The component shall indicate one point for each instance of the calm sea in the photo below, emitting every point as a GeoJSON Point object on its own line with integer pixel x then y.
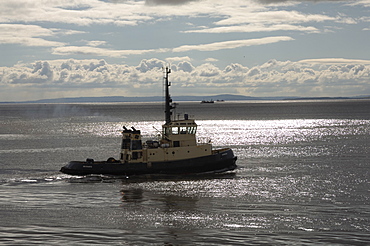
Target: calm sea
{"type": "Point", "coordinates": [302, 177]}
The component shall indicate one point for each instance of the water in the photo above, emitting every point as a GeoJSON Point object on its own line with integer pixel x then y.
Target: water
{"type": "Point", "coordinates": [303, 176]}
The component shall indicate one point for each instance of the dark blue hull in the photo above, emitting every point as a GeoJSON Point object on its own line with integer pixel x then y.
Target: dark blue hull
{"type": "Point", "coordinates": [219, 162]}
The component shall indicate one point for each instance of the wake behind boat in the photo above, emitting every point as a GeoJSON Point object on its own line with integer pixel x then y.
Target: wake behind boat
{"type": "Point", "coordinates": [176, 151]}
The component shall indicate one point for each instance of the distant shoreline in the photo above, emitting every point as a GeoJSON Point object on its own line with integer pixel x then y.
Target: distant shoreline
{"type": "Point", "coordinates": [222, 98]}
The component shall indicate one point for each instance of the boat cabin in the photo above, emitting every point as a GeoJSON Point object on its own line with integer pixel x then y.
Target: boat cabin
{"type": "Point", "coordinates": [178, 141]}
{"type": "Point", "coordinates": [180, 133]}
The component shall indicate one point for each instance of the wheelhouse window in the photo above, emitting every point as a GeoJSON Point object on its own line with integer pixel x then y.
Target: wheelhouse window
{"type": "Point", "coordinates": [175, 130]}
{"type": "Point", "coordinates": [192, 129]}
{"type": "Point", "coordinates": [182, 130]}
{"type": "Point", "coordinates": [166, 131]}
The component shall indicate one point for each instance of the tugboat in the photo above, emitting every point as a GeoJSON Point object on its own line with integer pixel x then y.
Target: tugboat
{"type": "Point", "coordinates": [175, 152]}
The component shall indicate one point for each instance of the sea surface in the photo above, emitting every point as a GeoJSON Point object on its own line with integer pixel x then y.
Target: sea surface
{"type": "Point", "coordinates": [302, 178]}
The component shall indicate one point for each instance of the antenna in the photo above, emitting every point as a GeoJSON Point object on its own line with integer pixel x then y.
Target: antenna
{"type": "Point", "coordinates": [168, 100]}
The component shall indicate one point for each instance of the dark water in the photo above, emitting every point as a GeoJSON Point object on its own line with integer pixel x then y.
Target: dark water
{"type": "Point", "coordinates": [303, 176]}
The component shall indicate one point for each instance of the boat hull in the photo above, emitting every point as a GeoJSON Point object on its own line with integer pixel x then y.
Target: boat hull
{"type": "Point", "coordinates": [219, 161]}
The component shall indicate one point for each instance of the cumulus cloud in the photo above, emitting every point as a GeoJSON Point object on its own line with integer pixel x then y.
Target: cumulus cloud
{"type": "Point", "coordinates": [185, 66]}
{"type": "Point", "coordinates": [323, 77]}
{"type": "Point", "coordinates": [208, 70]}
{"type": "Point", "coordinates": [147, 65]}
{"type": "Point", "coordinates": [178, 59]}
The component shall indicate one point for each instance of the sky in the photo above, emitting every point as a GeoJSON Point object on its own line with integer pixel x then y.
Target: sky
{"type": "Point", "coordinates": [79, 48]}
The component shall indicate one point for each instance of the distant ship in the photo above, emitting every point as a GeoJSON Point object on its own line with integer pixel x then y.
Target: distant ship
{"type": "Point", "coordinates": [176, 151]}
{"type": "Point", "coordinates": [207, 101]}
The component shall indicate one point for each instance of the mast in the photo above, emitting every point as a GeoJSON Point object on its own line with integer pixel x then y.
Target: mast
{"type": "Point", "coordinates": [168, 101]}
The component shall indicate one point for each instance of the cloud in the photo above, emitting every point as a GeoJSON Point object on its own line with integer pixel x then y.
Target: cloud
{"type": "Point", "coordinates": [208, 70]}
{"type": "Point", "coordinates": [185, 66]}
{"type": "Point", "coordinates": [178, 59]}
{"type": "Point", "coordinates": [103, 52]}
{"type": "Point", "coordinates": [365, 3]}
{"type": "Point", "coordinates": [95, 51]}
{"type": "Point", "coordinates": [231, 44]}
{"type": "Point", "coordinates": [96, 43]}
{"type": "Point", "coordinates": [150, 64]}
{"type": "Point", "coordinates": [239, 16]}
{"type": "Point", "coordinates": [27, 35]}
{"type": "Point", "coordinates": [322, 77]}
{"type": "Point", "coordinates": [256, 28]}
{"type": "Point", "coordinates": [83, 13]}
{"type": "Point", "coordinates": [269, 19]}
{"type": "Point", "coordinates": [133, 13]}
{"type": "Point", "coordinates": [282, 1]}
{"type": "Point", "coordinates": [335, 61]}
{"type": "Point", "coordinates": [168, 2]}
{"type": "Point", "coordinates": [280, 16]}
{"type": "Point", "coordinates": [274, 17]}
{"type": "Point", "coordinates": [211, 60]}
